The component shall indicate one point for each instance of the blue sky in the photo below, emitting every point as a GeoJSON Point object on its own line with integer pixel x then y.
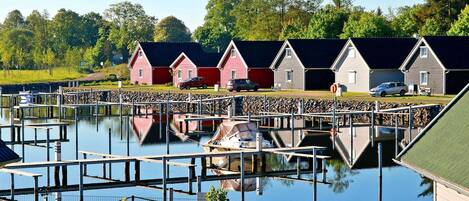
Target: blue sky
{"type": "Point", "coordinates": [192, 12]}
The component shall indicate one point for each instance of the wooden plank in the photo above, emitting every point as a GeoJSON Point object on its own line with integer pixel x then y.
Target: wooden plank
{"type": "Point", "coordinates": [19, 172]}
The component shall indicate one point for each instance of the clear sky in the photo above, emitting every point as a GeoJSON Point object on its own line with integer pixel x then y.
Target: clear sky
{"type": "Point", "coordinates": [192, 12]}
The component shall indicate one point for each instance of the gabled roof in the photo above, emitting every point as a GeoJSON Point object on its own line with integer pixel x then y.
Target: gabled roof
{"type": "Point", "coordinates": [382, 53]}
{"type": "Point", "coordinates": [450, 51]}
{"type": "Point", "coordinates": [441, 150]}
{"type": "Point", "coordinates": [313, 53]}
{"type": "Point", "coordinates": [164, 53]}
{"type": "Point", "coordinates": [7, 155]}
{"type": "Point", "coordinates": [199, 59]}
{"type": "Point", "coordinates": [255, 54]}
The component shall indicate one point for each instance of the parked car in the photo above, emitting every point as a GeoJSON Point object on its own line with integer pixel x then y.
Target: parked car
{"type": "Point", "coordinates": [241, 84]}
{"type": "Point", "coordinates": [198, 82]}
{"type": "Point", "coordinates": [389, 88]}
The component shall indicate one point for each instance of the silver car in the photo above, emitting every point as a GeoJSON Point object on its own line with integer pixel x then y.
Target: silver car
{"type": "Point", "coordinates": [389, 88]}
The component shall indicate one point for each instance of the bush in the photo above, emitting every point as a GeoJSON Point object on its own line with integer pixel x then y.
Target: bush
{"type": "Point", "coordinates": [216, 195]}
{"type": "Point", "coordinates": [85, 70]}
{"type": "Point", "coordinates": [112, 77]}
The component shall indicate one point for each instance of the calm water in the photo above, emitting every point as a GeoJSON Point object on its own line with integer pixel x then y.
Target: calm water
{"type": "Point", "coordinates": [360, 183]}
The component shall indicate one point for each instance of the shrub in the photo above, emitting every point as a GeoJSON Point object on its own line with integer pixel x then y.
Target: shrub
{"type": "Point", "coordinates": [216, 195]}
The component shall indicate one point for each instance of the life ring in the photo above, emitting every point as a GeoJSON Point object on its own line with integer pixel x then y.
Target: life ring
{"type": "Point", "coordinates": [333, 88]}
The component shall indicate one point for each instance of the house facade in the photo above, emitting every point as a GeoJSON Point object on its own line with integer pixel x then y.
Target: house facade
{"type": "Point", "coordinates": [439, 63]}
{"type": "Point", "coordinates": [440, 151]}
{"type": "Point", "coordinates": [196, 65]}
{"type": "Point", "coordinates": [364, 63]}
{"type": "Point", "coordinates": [305, 63]}
{"type": "Point", "coordinates": [149, 64]}
{"type": "Point", "coordinates": [249, 59]}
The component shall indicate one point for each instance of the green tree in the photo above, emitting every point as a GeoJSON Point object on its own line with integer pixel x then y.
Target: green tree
{"type": "Point", "coordinates": [73, 57]}
{"type": "Point", "coordinates": [67, 31]}
{"type": "Point", "coordinates": [460, 27]}
{"type": "Point", "coordinates": [433, 27]}
{"type": "Point", "coordinates": [14, 19]}
{"type": "Point", "coordinates": [328, 22]}
{"type": "Point", "coordinates": [49, 60]}
{"type": "Point", "coordinates": [91, 23]}
{"type": "Point", "coordinates": [171, 29]}
{"type": "Point", "coordinates": [342, 3]}
{"type": "Point", "coordinates": [219, 26]}
{"type": "Point", "coordinates": [39, 24]}
{"type": "Point", "coordinates": [366, 24]}
{"type": "Point", "coordinates": [406, 23]}
{"type": "Point", "coordinates": [216, 195]}
{"type": "Point", "coordinates": [129, 24]}
{"type": "Point", "coordinates": [293, 31]}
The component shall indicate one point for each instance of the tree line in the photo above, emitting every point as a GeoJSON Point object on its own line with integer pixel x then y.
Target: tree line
{"type": "Point", "coordinates": [39, 41]}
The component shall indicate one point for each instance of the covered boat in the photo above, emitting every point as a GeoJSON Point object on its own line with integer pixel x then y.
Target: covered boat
{"type": "Point", "coordinates": [237, 134]}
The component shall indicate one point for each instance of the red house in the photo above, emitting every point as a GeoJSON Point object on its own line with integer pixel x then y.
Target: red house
{"type": "Point", "coordinates": [149, 64]}
{"type": "Point", "coordinates": [196, 64]}
{"type": "Point", "coordinates": [249, 59]}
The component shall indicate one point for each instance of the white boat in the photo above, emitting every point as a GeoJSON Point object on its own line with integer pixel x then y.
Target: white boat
{"type": "Point", "coordinates": [26, 98]}
{"type": "Point", "coordinates": [237, 134]}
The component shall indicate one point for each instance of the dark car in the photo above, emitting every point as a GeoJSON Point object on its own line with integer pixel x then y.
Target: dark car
{"type": "Point", "coordinates": [197, 82]}
{"type": "Point", "coordinates": [241, 84]}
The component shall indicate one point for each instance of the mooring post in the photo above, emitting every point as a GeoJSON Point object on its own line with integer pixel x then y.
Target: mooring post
{"type": "Point", "coordinates": [411, 122]}
{"type": "Point", "coordinates": [128, 135]}
{"type": "Point", "coordinates": [167, 125]}
{"type": "Point", "coordinates": [22, 135]}
{"type": "Point", "coordinates": [241, 156]}
{"type": "Point", "coordinates": [199, 184]}
{"type": "Point", "coordinates": [76, 133]}
{"type": "Point", "coordinates": [110, 153]}
{"type": "Point", "coordinates": [380, 166]}
{"type": "Point", "coordinates": [323, 169]}
{"type": "Point", "coordinates": [164, 178]}
{"type": "Point", "coordinates": [137, 171]}
{"type": "Point", "coordinates": [372, 133]}
{"type": "Point", "coordinates": [298, 168]}
{"type": "Point", "coordinates": [48, 155]}
{"type": "Point", "coordinates": [12, 182]}
{"type": "Point", "coordinates": [80, 185]}
{"type": "Point", "coordinates": [171, 194]}
{"type": "Point", "coordinates": [36, 192]}
{"type": "Point", "coordinates": [58, 157]}
{"type": "Point", "coordinates": [189, 179]}
{"type": "Point", "coordinates": [292, 128]}
{"type": "Point", "coordinates": [160, 119]}
{"type": "Point", "coordinates": [97, 114]}
{"type": "Point", "coordinates": [315, 177]}
{"type": "Point", "coordinates": [350, 119]}
{"type": "Point", "coordinates": [396, 130]}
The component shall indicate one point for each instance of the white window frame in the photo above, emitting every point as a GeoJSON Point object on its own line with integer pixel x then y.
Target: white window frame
{"type": "Point", "coordinates": [421, 74]}
{"type": "Point", "coordinates": [352, 80]}
{"type": "Point", "coordinates": [351, 52]}
{"type": "Point", "coordinates": [179, 74]}
{"type": "Point", "coordinates": [287, 72]}
{"type": "Point", "coordinates": [422, 53]}
{"type": "Point", "coordinates": [233, 74]}
{"type": "Point", "coordinates": [189, 74]}
{"type": "Point", "coordinates": [140, 73]}
{"type": "Point", "coordinates": [233, 53]}
{"type": "Point", "coordinates": [288, 52]}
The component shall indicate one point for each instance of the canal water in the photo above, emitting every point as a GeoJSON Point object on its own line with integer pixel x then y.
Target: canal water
{"type": "Point", "coordinates": [352, 173]}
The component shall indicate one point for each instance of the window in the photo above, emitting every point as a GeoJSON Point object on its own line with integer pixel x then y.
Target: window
{"type": "Point", "coordinates": [140, 73]}
{"type": "Point", "coordinates": [189, 74]}
{"type": "Point", "coordinates": [140, 53]}
{"type": "Point", "coordinates": [423, 77]}
{"type": "Point", "coordinates": [288, 53]}
{"type": "Point", "coordinates": [423, 52]}
{"type": "Point", "coordinates": [233, 74]}
{"type": "Point", "coordinates": [179, 74]}
{"type": "Point", "coordinates": [351, 52]}
{"type": "Point", "coordinates": [352, 77]}
{"type": "Point", "coordinates": [289, 75]}
{"type": "Point", "coordinates": [233, 53]}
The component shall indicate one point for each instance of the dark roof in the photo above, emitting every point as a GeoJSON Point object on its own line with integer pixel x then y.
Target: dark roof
{"type": "Point", "coordinates": [258, 54]}
{"type": "Point", "coordinates": [164, 53]}
{"type": "Point", "coordinates": [384, 53]}
{"type": "Point", "coordinates": [317, 53]}
{"type": "Point", "coordinates": [441, 149]}
{"type": "Point", "coordinates": [7, 155]}
{"type": "Point", "coordinates": [452, 51]}
{"type": "Point", "coordinates": [204, 59]}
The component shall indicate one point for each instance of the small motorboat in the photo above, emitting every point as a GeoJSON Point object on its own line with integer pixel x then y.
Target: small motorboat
{"type": "Point", "coordinates": [236, 135]}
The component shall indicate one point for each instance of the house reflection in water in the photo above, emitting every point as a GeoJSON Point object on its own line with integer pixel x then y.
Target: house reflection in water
{"type": "Point", "coordinates": [147, 130]}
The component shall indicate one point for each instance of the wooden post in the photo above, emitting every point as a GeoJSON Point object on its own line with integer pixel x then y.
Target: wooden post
{"type": "Point", "coordinates": [351, 137]}
{"type": "Point", "coordinates": [48, 155]}
{"type": "Point", "coordinates": [315, 177]}
{"type": "Point", "coordinates": [110, 152]}
{"type": "Point", "coordinates": [380, 167]}
{"type": "Point", "coordinates": [372, 133]}
{"type": "Point", "coordinates": [241, 155]}
{"type": "Point", "coordinates": [36, 192]}
{"type": "Point", "coordinates": [189, 179]}
{"type": "Point", "coordinates": [22, 135]}
{"type": "Point", "coordinates": [80, 186]}
{"type": "Point", "coordinates": [128, 135]}
{"type": "Point", "coordinates": [164, 178]}
{"type": "Point", "coordinates": [76, 134]}
{"type": "Point", "coordinates": [298, 168]}
{"type": "Point", "coordinates": [137, 171]}
{"type": "Point", "coordinates": [167, 125]}
{"type": "Point", "coordinates": [396, 130]}
{"type": "Point", "coordinates": [12, 189]}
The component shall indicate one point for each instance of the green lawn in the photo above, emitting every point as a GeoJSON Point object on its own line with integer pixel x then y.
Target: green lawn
{"type": "Point", "coordinates": [31, 76]}
{"type": "Point", "coordinates": [437, 99]}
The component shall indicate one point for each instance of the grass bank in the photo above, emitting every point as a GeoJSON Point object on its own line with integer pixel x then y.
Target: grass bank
{"type": "Point", "coordinates": [33, 76]}
{"type": "Point", "coordinates": [436, 99]}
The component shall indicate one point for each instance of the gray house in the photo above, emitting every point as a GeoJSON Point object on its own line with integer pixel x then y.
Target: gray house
{"type": "Point", "coordinates": [440, 63]}
{"type": "Point", "coordinates": [305, 63]}
{"type": "Point", "coordinates": [365, 63]}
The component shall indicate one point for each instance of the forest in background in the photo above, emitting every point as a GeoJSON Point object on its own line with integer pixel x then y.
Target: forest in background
{"type": "Point", "coordinates": [94, 40]}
